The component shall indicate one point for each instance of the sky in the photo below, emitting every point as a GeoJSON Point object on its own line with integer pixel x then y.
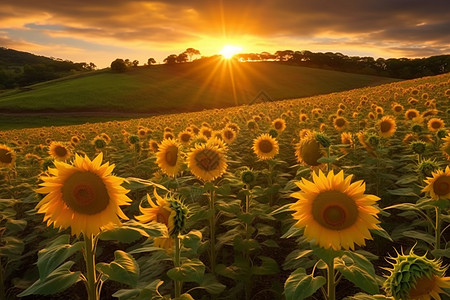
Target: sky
{"type": "Point", "coordinates": [100, 31]}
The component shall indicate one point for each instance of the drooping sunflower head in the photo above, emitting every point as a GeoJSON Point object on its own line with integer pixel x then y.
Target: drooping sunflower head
{"type": "Point", "coordinates": [426, 167]}
{"type": "Point", "coordinates": [446, 146]}
{"type": "Point", "coordinates": [7, 156]}
{"type": "Point", "coordinates": [83, 196]}
{"type": "Point", "coordinates": [309, 150]}
{"type": "Point", "coordinates": [434, 124]}
{"type": "Point", "coordinates": [346, 139]}
{"type": "Point", "coordinates": [411, 114]}
{"type": "Point", "coordinates": [386, 126]}
{"type": "Point", "coordinates": [206, 162]}
{"type": "Point", "coordinates": [335, 212]}
{"type": "Point", "coordinates": [169, 157]}
{"type": "Point", "coordinates": [169, 211]}
{"type": "Point", "coordinates": [438, 186]}
{"type": "Point", "coordinates": [59, 151]}
{"type": "Point", "coordinates": [415, 277]}
{"type": "Point", "coordinates": [279, 124]}
{"type": "Point", "coordinates": [265, 147]}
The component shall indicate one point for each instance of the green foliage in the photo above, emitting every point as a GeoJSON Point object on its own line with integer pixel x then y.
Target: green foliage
{"type": "Point", "coordinates": [123, 269]}
{"type": "Point", "coordinates": [300, 285]}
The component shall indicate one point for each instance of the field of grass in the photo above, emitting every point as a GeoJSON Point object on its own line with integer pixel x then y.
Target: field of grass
{"type": "Point", "coordinates": [179, 88]}
{"type": "Point", "coordinates": [245, 236]}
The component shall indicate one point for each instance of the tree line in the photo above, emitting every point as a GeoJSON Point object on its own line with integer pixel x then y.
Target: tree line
{"type": "Point", "coordinates": [18, 69]}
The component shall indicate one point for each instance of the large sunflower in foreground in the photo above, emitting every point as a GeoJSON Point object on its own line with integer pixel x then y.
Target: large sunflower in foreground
{"type": "Point", "coordinates": [169, 157]}
{"type": "Point", "coordinates": [83, 196]}
{"type": "Point", "coordinates": [206, 162]}
{"type": "Point", "coordinates": [265, 146]}
{"type": "Point", "coordinates": [335, 212]}
{"type": "Point", "coordinates": [439, 185]}
{"type": "Point", "coordinates": [416, 277]}
{"type": "Point", "coordinates": [7, 156]}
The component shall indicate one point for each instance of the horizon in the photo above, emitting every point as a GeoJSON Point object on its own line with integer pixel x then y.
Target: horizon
{"type": "Point", "coordinates": [102, 31]}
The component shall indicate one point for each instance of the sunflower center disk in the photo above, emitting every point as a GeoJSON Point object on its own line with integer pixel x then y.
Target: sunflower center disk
{"type": "Point", "coordinates": [334, 210]}
{"type": "Point", "coordinates": [228, 134]}
{"type": "Point", "coordinates": [207, 160]}
{"type": "Point", "coordinates": [265, 146]}
{"type": "Point", "coordinates": [385, 126]}
{"type": "Point", "coordinates": [171, 156]}
{"type": "Point", "coordinates": [5, 156]}
{"type": "Point", "coordinates": [442, 185]}
{"type": "Point", "coordinates": [85, 193]}
{"type": "Point", "coordinates": [60, 151]}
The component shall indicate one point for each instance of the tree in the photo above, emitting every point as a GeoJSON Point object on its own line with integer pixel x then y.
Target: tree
{"type": "Point", "coordinates": [182, 58]}
{"type": "Point", "coordinates": [151, 61]}
{"type": "Point", "coordinates": [171, 59]}
{"type": "Point", "coordinates": [118, 66]}
{"type": "Point", "coordinates": [191, 52]}
{"type": "Point", "coordinates": [135, 63]}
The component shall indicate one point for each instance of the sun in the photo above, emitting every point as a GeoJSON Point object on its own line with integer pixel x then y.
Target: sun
{"type": "Point", "coordinates": [229, 50]}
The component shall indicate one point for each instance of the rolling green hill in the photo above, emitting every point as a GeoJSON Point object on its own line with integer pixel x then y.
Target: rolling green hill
{"type": "Point", "coordinates": [178, 88]}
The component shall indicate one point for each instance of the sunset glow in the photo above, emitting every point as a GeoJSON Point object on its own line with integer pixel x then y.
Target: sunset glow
{"type": "Point", "coordinates": [229, 50]}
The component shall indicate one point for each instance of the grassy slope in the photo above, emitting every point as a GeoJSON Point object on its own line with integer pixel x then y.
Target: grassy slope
{"type": "Point", "coordinates": [183, 87]}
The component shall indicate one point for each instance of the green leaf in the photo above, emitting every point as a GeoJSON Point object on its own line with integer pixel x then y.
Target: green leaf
{"type": "Point", "coordinates": [299, 285]}
{"type": "Point", "coordinates": [381, 232]}
{"type": "Point", "coordinates": [441, 252]}
{"type": "Point", "coordinates": [193, 240]}
{"type": "Point", "coordinates": [428, 238]}
{"type": "Point", "coordinates": [133, 184]}
{"type": "Point", "coordinates": [325, 160]}
{"type": "Point", "coordinates": [51, 257]}
{"type": "Point", "coordinates": [184, 296]}
{"type": "Point", "coordinates": [407, 179]}
{"type": "Point", "coordinates": [57, 281]}
{"type": "Point", "coordinates": [12, 247]}
{"type": "Point", "coordinates": [406, 192]}
{"type": "Point", "coordinates": [123, 269]}
{"type": "Point", "coordinates": [13, 225]}
{"type": "Point", "coordinates": [211, 285]}
{"type": "Point", "coordinates": [357, 269]}
{"type": "Point", "coordinates": [402, 206]}
{"type": "Point", "coordinates": [268, 267]}
{"type": "Point", "coordinates": [283, 209]}
{"type": "Point", "coordinates": [189, 271]}
{"type": "Point", "coordinates": [326, 255]}
{"type": "Point", "coordinates": [265, 230]}
{"type": "Point", "coordinates": [245, 245]}
{"type": "Point", "coordinates": [131, 231]}
{"type": "Point", "coordinates": [292, 232]}
{"type": "Point", "coordinates": [362, 296]}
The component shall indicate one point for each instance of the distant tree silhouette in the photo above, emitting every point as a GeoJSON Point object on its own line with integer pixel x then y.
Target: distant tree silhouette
{"type": "Point", "coordinates": [182, 58]}
{"type": "Point", "coordinates": [191, 52]}
{"type": "Point", "coordinates": [135, 63]}
{"type": "Point", "coordinates": [151, 61]}
{"type": "Point", "coordinates": [171, 59]}
{"type": "Point", "coordinates": [118, 66]}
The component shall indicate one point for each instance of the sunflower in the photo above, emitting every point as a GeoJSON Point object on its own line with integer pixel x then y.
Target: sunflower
{"type": "Point", "coordinates": [415, 277]}
{"type": "Point", "coordinates": [265, 146]}
{"type": "Point", "coordinates": [397, 108]}
{"type": "Point", "coordinates": [446, 147]}
{"type": "Point", "coordinates": [335, 212]}
{"type": "Point", "coordinates": [303, 118]}
{"type": "Point", "coordinates": [7, 156]}
{"type": "Point", "coordinates": [205, 131]}
{"type": "Point", "coordinates": [185, 137]}
{"type": "Point", "coordinates": [434, 124]}
{"type": "Point", "coordinates": [168, 135]}
{"type": "Point", "coordinates": [228, 135]}
{"type": "Point", "coordinates": [346, 139]}
{"type": "Point", "coordinates": [386, 126]}
{"type": "Point", "coordinates": [219, 143]}
{"type": "Point", "coordinates": [362, 140]}
{"type": "Point", "coordinates": [411, 114]}
{"type": "Point", "coordinates": [153, 145]}
{"type": "Point", "coordinates": [206, 162]}
{"type": "Point", "coordinates": [59, 151]}
{"type": "Point", "coordinates": [169, 157]}
{"type": "Point", "coordinates": [83, 196]}
{"type": "Point", "coordinates": [439, 185]}
{"type": "Point", "coordinates": [340, 123]}
{"type": "Point", "coordinates": [159, 211]}
{"type": "Point", "coordinates": [308, 150]}
{"type": "Point", "coordinates": [279, 125]}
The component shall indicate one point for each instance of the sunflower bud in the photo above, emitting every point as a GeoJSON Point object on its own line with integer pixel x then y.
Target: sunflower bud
{"type": "Point", "coordinates": [441, 133]}
{"type": "Point", "coordinates": [180, 215]}
{"type": "Point", "coordinates": [133, 139]}
{"type": "Point", "coordinates": [426, 167]}
{"type": "Point", "coordinates": [373, 140]}
{"type": "Point", "coordinates": [248, 177]}
{"type": "Point", "coordinates": [418, 147]}
{"type": "Point", "coordinates": [323, 139]}
{"type": "Point", "coordinates": [99, 143]}
{"type": "Point", "coordinates": [415, 277]}
{"type": "Point", "coordinates": [417, 128]}
{"type": "Point", "coordinates": [273, 133]}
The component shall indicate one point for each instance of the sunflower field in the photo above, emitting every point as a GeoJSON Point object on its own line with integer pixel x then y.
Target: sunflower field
{"type": "Point", "coordinates": [338, 196]}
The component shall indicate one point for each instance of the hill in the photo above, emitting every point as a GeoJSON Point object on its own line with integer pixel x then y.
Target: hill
{"type": "Point", "coordinates": [18, 68]}
{"type": "Point", "coordinates": [180, 88]}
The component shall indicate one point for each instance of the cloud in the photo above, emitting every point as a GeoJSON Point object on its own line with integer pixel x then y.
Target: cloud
{"type": "Point", "coordinates": [416, 27]}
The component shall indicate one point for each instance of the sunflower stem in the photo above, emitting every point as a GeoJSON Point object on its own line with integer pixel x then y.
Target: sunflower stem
{"type": "Point", "coordinates": [2, 284]}
{"type": "Point", "coordinates": [212, 232]}
{"type": "Point", "coordinates": [90, 268]}
{"type": "Point", "coordinates": [331, 286]}
{"type": "Point", "coordinates": [437, 245]}
{"type": "Point", "coordinates": [178, 284]}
